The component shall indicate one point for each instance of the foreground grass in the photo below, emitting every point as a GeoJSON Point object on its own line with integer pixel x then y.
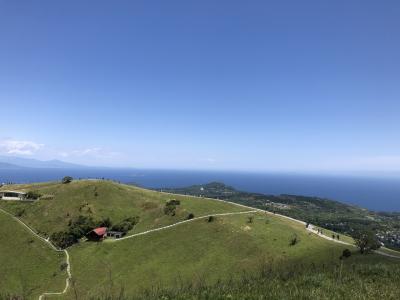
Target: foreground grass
{"type": "Point", "coordinates": [347, 281]}
{"type": "Point", "coordinates": [28, 267]}
{"type": "Point", "coordinates": [200, 251]}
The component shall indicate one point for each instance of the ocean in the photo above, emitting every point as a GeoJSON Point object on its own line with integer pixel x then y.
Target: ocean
{"type": "Point", "coordinates": [379, 194]}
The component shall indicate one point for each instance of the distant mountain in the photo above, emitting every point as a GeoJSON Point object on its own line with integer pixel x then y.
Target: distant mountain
{"type": "Point", "coordinates": [7, 162]}
{"type": "Point", "coordinates": [8, 166]}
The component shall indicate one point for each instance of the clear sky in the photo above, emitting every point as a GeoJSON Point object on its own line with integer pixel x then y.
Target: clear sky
{"type": "Point", "coordinates": [303, 86]}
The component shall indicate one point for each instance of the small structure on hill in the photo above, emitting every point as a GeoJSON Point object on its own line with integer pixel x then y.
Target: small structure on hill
{"type": "Point", "coordinates": [97, 234]}
{"type": "Point", "coordinates": [14, 195]}
{"type": "Point", "coordinates": [115, 234]}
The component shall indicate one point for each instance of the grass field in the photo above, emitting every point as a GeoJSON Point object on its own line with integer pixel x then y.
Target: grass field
{"type": "Point", "coordinates": [100, 199]}
{"type": "Point", "coordinates": [201, 252]}
{"type": "Point", "coordinates": [28, 265]}
{"type": "Point", "coordinates": [198, 252]}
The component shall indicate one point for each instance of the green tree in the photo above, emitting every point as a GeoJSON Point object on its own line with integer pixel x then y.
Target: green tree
{"type": "Point", "coordinates": [67, 179]}
{"type": "Point", "coordinates": [366, 241]}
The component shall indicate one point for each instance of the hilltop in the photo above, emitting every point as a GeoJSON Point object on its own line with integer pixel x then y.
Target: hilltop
{"type": "Point", "coordinates": [210, 241]}
{"type": "Point", "coordinates": [340, 217]}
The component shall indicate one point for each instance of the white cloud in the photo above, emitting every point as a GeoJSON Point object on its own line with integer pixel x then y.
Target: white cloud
{"type": "Point", "coordinates": [95, 152]}
{"type": "Point", "coordinates": [10, 146]}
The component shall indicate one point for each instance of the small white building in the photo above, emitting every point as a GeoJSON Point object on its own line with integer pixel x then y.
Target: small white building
{"type": "Point", "coordinates": [13, 195]}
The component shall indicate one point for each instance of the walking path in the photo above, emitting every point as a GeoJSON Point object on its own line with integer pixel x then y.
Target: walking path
{"type": "Point", "coordinates": [182, 222]}
{"type": "Point", "coordinates": [47, 241]}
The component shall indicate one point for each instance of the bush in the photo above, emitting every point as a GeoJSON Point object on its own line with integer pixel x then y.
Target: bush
{"type": "Point", "coordinates": [346, 253]}
{"type": "Point", "coordinates": [20, 212]}
{"type": "Point", "coordinates": [210, 219]}
{"type": "Point", "coordinates": [63, 239]}
{"type": "Point", "coordinates": [170, 207]}
{"type": "Point", "coordinates": [67, 179]}
{"type": "Point", "coordinates": [106, 222]}
{"type": "Point", "coordinates": [126, 225]}
{"type": "Point", "coordinates": [293, 240]}
{"type": "Point", "coordinates": [63, 266]}
{"type": "Point", "coordinates": [250, 219]}
{"type": "Point", "coordinates": [173, 202]}
{"type": "Point", "coordinates": [33, 195]}
{"type": "Point", "coordinates": [190, 216]}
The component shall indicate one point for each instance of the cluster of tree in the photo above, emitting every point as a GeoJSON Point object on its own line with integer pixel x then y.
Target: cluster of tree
{"type": "Point", "coordinates": [77, 229]}
{"type": "Point", "coordinates": [82, 225]}
{"type": "Point", "coordinates": [170, 207]}
{"type": "Point", "coordinates": [125, 225]}
{"type": "Point", "coordinates": [366, 241]}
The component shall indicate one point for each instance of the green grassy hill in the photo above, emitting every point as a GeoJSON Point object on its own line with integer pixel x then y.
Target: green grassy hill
{"type": "Point", "coordinates": [62, 203]}
{"type": "Point", "coordinates": [198, 252]}
{"type": "Point", "coordinates": [28, 265]}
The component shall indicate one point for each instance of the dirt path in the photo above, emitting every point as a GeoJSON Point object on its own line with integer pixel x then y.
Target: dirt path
{"type": "Point", "coordinates": [47, 241]}
{"type": "Point", "coordinates": [181, 222]}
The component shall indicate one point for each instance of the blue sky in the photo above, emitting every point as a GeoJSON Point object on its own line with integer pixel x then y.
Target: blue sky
{"type": "Point", "coordinates": [304, 86]}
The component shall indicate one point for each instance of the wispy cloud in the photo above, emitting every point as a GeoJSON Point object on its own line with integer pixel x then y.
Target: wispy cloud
{"type": "Point", "coordinates": [18, 147]}
{"type": "Point", "coordinates": [96, 152]}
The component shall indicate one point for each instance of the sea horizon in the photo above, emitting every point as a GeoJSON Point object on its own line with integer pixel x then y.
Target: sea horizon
{"type": "Point", "coordinates": [368, 191]}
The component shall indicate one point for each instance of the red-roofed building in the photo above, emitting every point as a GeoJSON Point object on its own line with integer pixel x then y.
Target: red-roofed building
{"type": "Point", "coordinates": [97, 234]}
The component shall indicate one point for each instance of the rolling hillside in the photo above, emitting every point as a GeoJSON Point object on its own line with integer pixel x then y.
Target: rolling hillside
{"type": "Point", "coordinates": [199, 249]}
{"type": "Point", "coordinates": [28, 265]}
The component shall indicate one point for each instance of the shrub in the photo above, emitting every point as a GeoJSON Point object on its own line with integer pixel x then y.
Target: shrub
{"type": "Point", "coordinates": [210, 219]}
{"type": "Point", "coordinates": [250, 219]}
{"type": "Point", "coordinates": [63, 239]}
{"type": "Point", "coordinates": [170, 207]}
{"type": "Point", "coordinates": [33, 195]}
{"type": "Point", "coordinates": [67, 179]}
{"type": "Point", "coordinates": [126, 224]}
{"type": "Point", "coordinates": [346, 253]}
{"type": "Point", "coordinates": [173, 202]}
{"type": "Point", "coordinates": [293, 240]}
{"type": "Point", "coordinates": [20, 212]}
{"type": "Point", "coordinates": [63, 266]}
{"type": "Point", "coordinates": [190, 216]}
{"type": "Point", "coordinates": [106, 222]}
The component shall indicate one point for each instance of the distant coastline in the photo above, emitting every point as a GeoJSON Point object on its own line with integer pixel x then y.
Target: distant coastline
{"type": "Point", "coordinates": [379, 194]}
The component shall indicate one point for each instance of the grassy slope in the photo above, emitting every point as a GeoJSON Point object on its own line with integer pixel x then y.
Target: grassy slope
{"type": "Point", "coordinates": [113, 200]}
{"type": "Point", "coordinates": [216, 250]}
{"type": "Point", "coordinates": [199, 250]}
{"type": "Point", "coordinates": [29, 267]}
